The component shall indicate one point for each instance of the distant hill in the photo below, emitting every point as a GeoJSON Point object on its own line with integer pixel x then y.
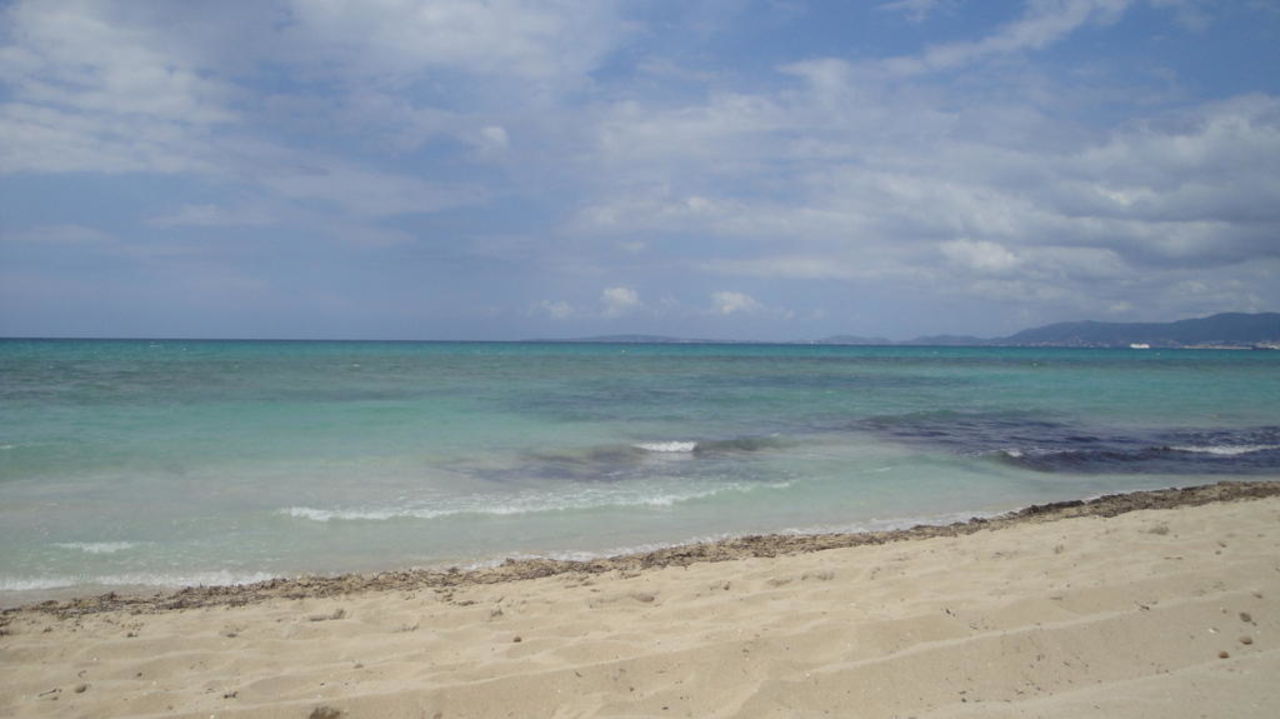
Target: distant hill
{"type": "Point", "coordinates": [852, 340]}
{"type": "Point", "coordinates": [948, 341]}
{"type": "Point", "coordinates": [638, 340]}
{"type": "Point", "coordinates": [1231, 329]}
{"type": "Point", "coordinates": [1227, 329]}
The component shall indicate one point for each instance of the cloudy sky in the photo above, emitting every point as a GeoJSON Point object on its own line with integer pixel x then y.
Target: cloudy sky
{"type": "Point", "coordinates": [505, 169]}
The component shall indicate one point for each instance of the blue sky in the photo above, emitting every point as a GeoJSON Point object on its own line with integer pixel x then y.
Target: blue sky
{"type": "Point", "coordinates": [506, 169]}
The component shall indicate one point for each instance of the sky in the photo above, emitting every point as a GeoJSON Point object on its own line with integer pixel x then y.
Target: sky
{"type": "Point", "coordinates": [729, 169]}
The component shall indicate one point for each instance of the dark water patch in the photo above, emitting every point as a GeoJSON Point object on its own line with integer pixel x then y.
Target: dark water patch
{"type": "Point", "coordinates": [977, 432]}
{"type": "Point", "coordinates": [622, 462]}
{"type": "Point", "coordinates": [1036, 442]}
{"type": "Point", "coordinates": [1147, 460]}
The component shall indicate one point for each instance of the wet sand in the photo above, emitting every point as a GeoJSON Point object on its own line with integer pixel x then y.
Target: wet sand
{"type": "Point", "coordinates": [1144, 604]}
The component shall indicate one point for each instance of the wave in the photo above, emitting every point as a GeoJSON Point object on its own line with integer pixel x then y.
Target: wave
{"type": "Point", "coordinates": [1229, 450]}
{"type": "Point", "coordinates": [97, 547]}
{"type": "Point", "coordinates": [667, 447]}
{"type": "Point", "coordinates": [141, 579]}
{"type": "Point", "coordinates": [1211, 459]}
{"type": "Point", "coordinates": [528, 505]}
{"type": "Point", "coordinates": [615, 463]}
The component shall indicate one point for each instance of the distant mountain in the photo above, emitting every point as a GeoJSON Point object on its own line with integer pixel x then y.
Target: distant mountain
{"type": "Point", "coordinates": [1231, 329]}
{"type": "Point", "coordinates": [852, 340]}
{"type": "Point", "coordinates": [948, 341]}
{"type": "Point", "coordinates": [1228, 329]}
{"type": "Point", "coordinates": [639, 340]}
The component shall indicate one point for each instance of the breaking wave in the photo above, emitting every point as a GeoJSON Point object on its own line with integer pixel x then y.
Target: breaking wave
{"type": "Point", "coordinates": [140, 579]}
{"type": "Point", "coordinates": [667, 447]}
{"type": "Point", "coordinates": [524, 505]}
{"type": "Point", "coordinates": [97, 547]}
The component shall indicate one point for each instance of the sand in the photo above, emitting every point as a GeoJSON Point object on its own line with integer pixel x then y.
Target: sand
{"type": "Point", "coordinates": [1147, 605]}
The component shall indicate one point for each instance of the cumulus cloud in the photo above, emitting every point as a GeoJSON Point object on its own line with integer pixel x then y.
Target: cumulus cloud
{"type": "Point", "coordinates": [869, 179]}
{"type": "Point", "coordinates": [391, 39]}
{"type": "Point", "coordinates": [491, 140]}
{"type": "Point", "coordinates": [104, 87]}
{"type": "Point", "coordinates": [92, 93]}
{"type": "Point", "coordinates": [728, 303]}
{"type": "Point", "coordinates": [582, 141]}
{"type": "Point", "coordinates": [619, 300]}
{"type": "Point", "coordinates": [982, 255]}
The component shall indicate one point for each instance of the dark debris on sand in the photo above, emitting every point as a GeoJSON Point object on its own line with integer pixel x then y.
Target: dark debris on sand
{"type": "Point", "coordinates": [772, 545]}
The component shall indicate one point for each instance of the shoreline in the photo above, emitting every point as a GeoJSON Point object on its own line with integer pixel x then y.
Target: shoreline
{"type": "Point", "coordinates": [515, 570]}
{"type": "Point", "coordinates": [1157, 603]}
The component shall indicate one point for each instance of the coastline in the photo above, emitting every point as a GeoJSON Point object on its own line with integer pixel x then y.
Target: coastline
{"type": "Point", "coordinates": [1159, 603]}
{"type": "Point", "coordinates": [751, 546]}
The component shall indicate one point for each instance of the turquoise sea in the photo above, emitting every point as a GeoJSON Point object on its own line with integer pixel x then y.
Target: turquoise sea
{"type": "Point", "coordinates": [128, 464]}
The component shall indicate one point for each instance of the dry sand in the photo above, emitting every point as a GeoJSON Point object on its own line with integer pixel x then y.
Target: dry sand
{"type": "Point", "coordinates": [1161, 604]}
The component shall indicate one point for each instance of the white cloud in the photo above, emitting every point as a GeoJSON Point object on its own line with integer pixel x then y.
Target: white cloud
{"type": "Point", "coordinates": [364, 192]}
{"type": "Point", "coordinates": [346, 120]}
{"type": "Point", "coordinates": [59, 235]}
{"type": "Point", "coordinates": [546, 40]}
{"type": "Point", "coordinates": [91, 91]}
{"type": "Point", "coordinates": [207, 215]}
{"type": "Point", "coordinates": [789, 267]}
{"type": "Point", "coordinates": [847, 176]}
{"type": "Point", "coordinates": [491, 140]}
{"type": "Point", "coordinates": [914, 10]}
{"type": "Point", "coordinates": [79, 55]}
{"type": "Point", "coordinates": [982, 256]}
{"type": "Point", "coordinates": [728, 303]}
{"type": "Point", "coordinates": [558, 309]}
{"type": "Point", "coordinates": [119, 87]}
{"type": "Point", "coordinates": [1043, 24]}
{"type": "Point", "coordinates": [727, 127]}
{"type": "Point", "coordinates": [654, 207]}
{"type": "Point", "coordinates": [619, 300]}
{"type": "Point", "coordinates": [51, 140]}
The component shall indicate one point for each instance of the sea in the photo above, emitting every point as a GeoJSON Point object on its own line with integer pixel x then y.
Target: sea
{"type": "Point", "coordinates": [142, 465]}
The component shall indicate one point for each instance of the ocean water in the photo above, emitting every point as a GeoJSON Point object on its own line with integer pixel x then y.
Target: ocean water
{"type": "Point", "coordinates": [128, 464]}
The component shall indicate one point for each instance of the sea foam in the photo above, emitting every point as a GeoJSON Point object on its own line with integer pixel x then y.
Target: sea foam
{"type": "Point", "coordinates": [667, 447]}
{"type": "Point", "coordinates": [1229, 450]}
{"type": "Point", "coordinates": [530, 505]}
{"type": "Point", "coordinates": [140, 579]}
{"type": "Point", "coordinates": [97, 547]}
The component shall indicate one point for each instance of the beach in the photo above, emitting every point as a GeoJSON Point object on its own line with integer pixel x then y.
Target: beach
{"type": "Point", "coordinates": [1146, 604]}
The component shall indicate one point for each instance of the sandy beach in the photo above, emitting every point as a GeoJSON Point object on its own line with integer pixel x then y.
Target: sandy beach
{"type": "Point", "coordinates": [1139, 605]}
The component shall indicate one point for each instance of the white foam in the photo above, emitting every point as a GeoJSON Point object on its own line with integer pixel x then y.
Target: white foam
{"type": "Point", "coordinates": [212, 578]}
{"type": "Point", "coordinates": [387, 513]}
{"type": "Point", "coordinates": [325, 515]}
{"type": "Point", "coordinates": [97, 547]}
{"type": "Point", "coordinates": [1228, 450]}
{"type": "Point", "coordinates": [28, 584]}
{"type": "Point", "coordinates": [481, 506]}
{"type": "Point", "coordinates": [667, 447]}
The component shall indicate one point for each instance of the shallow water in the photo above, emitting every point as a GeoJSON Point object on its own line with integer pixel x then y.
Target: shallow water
{"type": "Point", "coordinates": [179, 462]}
